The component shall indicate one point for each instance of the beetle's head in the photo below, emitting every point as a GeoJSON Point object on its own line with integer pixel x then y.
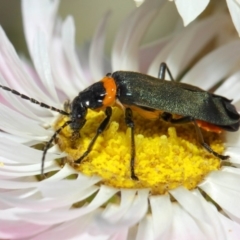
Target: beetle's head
{"type": "Point", "coordinates": [78, 114]}
{"type": "Point", "coordinates": [92, 97]}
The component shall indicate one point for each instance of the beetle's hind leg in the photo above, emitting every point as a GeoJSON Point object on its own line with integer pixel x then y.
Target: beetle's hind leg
{"type": "Point", "coordinates": [168, 118]}
{"type": "Point", "coordinates": [206, 146]}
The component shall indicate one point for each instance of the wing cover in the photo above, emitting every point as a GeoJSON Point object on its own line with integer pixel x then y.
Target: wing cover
{"type": "Point", "coordinates": [183, 99]}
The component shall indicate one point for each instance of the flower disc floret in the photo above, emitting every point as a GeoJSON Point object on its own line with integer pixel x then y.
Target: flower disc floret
{"type": "Point", "coordinates": [167, 156]}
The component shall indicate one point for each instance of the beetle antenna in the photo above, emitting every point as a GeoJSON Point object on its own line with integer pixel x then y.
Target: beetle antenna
{"type": "Point", "coordinates": [49, 144]}
{"type": "Point", "coordinates": [34, 100]}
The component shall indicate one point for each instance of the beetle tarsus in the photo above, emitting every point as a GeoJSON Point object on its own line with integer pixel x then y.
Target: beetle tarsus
{"type": "Point", "coordinates": [222, 157]}
{"type": "Point", "coordinates": [78, 162]}
{"type": "Point", "coordinates": [209, 149]}
{"type": "Point", "coordinates": [129, 122]}
{"type": "Point", "coordinates": [134, 177]}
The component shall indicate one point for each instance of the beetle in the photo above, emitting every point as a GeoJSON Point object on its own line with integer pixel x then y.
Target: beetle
{"type": "Point", "coordinates": [152, 98]}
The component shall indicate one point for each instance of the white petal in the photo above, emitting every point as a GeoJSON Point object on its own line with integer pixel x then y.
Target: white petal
{"type": "Point", "coordinates": [96, 60]}
{"type": "Point", "coordinates": [18, 139]}
{"type": "Point", "coordinates": [234, 9]}
{"type": "Point", "coordinates": [60, 216]}
{"type": "Point", "coordinates": [232, 229]}
{"type": "Point", "coordinates": [59, 189]}
{"type": "Point", "coordinates": [13, 73]}
{"type": "Point", "coordinates": [38, 15]}
{"type": "Point", "coordinates": [232, 139]}
{"type": "Point", "coordinates": [19, 194]}
{"type": "Point", "coordinates": [192, 204]}
{"type": "Point", "coordinates": [162, 214]}
{"type": "Point", "coordinates": [83, 56]}
{"type": "Point", "coordinates": [225, 197]}
{"type": "Point", "coordinates": [62, 173]}
{"type": "Point", "coordinates": [68, 35]}
{"type": "Point", "coordinates": [72, 230]}
{"type": "Point", "coordinates": [24, 168]}
{"type": "Point", "coordinates": [184, 226]}
{"type": "Point", "coordinates": [114, 213]}
{"type": "Point", "coordinates": [122, 235]}
{"type": "Point", "coordinates": [27, 153]}
{"type": "Point", "coordinates": [27, 201]}
{"type": "Point", "coordinates": [42, 64]}
{"type": "Point", "coordinates": [125, 49]}
{"type": "Point", "coordinates": [135, 212]}
{"type": "Point", "coordinates": [227, 88]}
{"type": "Point", "coordinates": [17, 124]}
{"type": "Point", "coordinates": [10, 175]}
{"type": "Point", "coordinates": [176, 53]}
{"type": "Point", "coordinates": [237, 104]}
{"type": "Point", "coordinates": [226, 179]}
{"type": "Point", "coordinates": [32, 111]}
{"type": "Point", "coordinates": [231, 170]}
{"type": "Point", "coordinates": [215, 66]}
{"type": "Point", "coordinates": [145, 229]}
{"type": "Point", "coordinates": [214, 218]}
{"type": "Point", "coordinates": [64, 76]}
{"type": "Point", "coordinates": [234, 153]}
{"type": "Point", "coordinates": [149, 51]}
{"type": "Point", "coordinates": [19, 229]}
{"type": "Point", "coordinates": [189, 9]}
{"type": "Point", "coordinates": [10, 184]}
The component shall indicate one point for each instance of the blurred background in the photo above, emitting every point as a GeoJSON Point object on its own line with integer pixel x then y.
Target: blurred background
{"type": "Point", "coordinates": [87, 14]}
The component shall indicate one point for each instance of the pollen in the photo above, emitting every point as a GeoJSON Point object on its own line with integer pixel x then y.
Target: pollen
{"type": "Point", "coordinates": [167, 156]}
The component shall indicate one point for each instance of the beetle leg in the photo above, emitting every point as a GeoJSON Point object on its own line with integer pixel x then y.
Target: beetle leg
{"type": "Point", "coordinates": [168, 118]}
{"type": "Point", "coordinates": [205, 145]}
{"type": "Point", "coordinates": [162, 70]}
{"type": "Point", "coordinates": [100, 129]}
{"type": "Point", "coordinates": [129, 122]}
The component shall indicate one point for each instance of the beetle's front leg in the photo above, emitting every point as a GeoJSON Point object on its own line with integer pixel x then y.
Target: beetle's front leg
{"type": "Point", "coordinates": [76, 134]}
{"type": "Point", "coordinates": [100, 129]}
{"type": "Point", "coordinates": [129, 122]}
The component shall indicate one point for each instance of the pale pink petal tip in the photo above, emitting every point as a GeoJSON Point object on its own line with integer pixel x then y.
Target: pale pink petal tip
{"type": "Point", "coordinates": [189, 9]}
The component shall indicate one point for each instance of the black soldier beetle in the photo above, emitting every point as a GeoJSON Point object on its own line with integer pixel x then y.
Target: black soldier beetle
{"type": "Point", "coordinates": [152, 98]}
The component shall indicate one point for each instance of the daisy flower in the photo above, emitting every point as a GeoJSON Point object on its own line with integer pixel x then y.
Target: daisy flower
{"type": "Point", "coordinates": [183, 192]}
{"type": "Point", "coordinates": [189, 10]}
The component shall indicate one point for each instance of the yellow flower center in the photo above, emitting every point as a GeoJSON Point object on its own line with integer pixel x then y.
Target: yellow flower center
{"type": "Point", "coordinates": [167, 156]}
